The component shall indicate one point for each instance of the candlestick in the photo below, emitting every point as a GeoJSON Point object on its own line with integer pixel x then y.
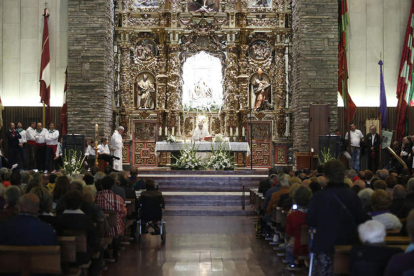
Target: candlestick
{"type": "Point", "coordinates": [172, 132]}
{"type": "Point", "coordinates": [166, 130]}
{"type": "Point", "coordinates": [96, 128]}
{"type": "Point", "coordinates": [243, 132]}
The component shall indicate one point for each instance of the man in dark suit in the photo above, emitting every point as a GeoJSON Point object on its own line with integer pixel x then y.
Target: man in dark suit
{"type": "Point", "coordinates": [373, 143]}
{"type": "Point", "coordinates": [13, 137]}
{"type": "Point", "coordinates": [26, 228]}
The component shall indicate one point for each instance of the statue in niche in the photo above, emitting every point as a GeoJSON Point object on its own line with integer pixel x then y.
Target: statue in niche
{"type": "Point", "coordinates": [262, 91]}
{"type": "Point", "coordinates": [145, 88]}
{"type": "Point", "coordinates": [144, 50]}
{"type": "Point", "coordinates": [145, 3]}
{"type": "Point", "coordinates": [259, 3]}
{"type": "Point", "coordinates": [259, 50]}
{"type": "Point", "coordinates": [201, 90]}
{"type": "Point", "coordinates": [202, 6]}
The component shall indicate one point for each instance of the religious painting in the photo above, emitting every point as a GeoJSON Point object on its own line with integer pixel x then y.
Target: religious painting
{"type": "Point", "coordinates": [145, 91]}
{"type": "Point", "coordinates": [203, 6]}
{"type": "Point", "coordinates": [260, 92]}
{"type": "Point", "coordinates": [145, 131]}
{"type": "Point", "coordinates": [203, 82]}
{"type": "Point", "coordinates": [144, 50]}
{"type": "Point", "coordinates": [260, 4]}
{"type": "Point", "coordinates": [145, 3]}
{"type": "Point", "coordinates": [259, 50]}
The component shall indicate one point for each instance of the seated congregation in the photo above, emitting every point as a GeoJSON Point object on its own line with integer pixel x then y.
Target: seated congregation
{"type": "Point", "coordinates": [91, 216]}
{"type": "Point", "coordinates": [331, 221]}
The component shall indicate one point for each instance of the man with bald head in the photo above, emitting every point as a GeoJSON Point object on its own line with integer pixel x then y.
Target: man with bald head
{"type": "Point", "coordinates": [26, 228]}
{"type": "Point", "coordinates": [398, 206]}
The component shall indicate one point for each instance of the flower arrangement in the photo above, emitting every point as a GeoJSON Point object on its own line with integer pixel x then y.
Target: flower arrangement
{"type": "Point", "coordinates": [73, 162]}
{"type": "Point", "coordinates": [221, 159]}
{"type": "Point", "coordinates": [171, 139]}
{"type": "Point", "coordinates": [218, 138]}
{"type": "Point", "coordinates": [188, 159]}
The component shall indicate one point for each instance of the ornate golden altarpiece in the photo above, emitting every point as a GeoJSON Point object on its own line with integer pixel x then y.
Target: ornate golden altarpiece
{"type": "Point", "coordinates": [252, 39]}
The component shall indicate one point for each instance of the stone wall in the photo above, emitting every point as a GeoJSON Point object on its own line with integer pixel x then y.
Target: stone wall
{"type": "Point", "coordinates": [90, 66]}
{"type": "Point", "coordinates": [315, 57]}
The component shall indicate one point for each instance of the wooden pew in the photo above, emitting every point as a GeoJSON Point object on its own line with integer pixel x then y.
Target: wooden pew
{"type": "Point", "coordinates": [68, 255]}
{"type": "Point", "coordinates": [397, 240]}
{"type": "Point", "coordinates": [81, 244]}
{"type": "Point", "coordinates": [25, 260]}
{"type": "Point", "coordinates": [67, 249]}
{"type": "Point", "coordinates": [252, 197]}
{"type": "Point", "coordinates": [341, 258]}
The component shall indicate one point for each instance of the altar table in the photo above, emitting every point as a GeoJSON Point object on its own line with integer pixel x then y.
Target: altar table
{"type": "Point", "coordinates": [203, 146]}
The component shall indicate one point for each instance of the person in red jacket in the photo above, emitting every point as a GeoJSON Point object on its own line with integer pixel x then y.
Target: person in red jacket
{"type": "Point", "coordinates": [294, 222]}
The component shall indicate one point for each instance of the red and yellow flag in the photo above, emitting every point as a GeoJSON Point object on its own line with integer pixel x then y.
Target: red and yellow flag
{"type": "Point", "coordinates": [45, 67]}
{"type": "Point", "coordinates": [404, 84]}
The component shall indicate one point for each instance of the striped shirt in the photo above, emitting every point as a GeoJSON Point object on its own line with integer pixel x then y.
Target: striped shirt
{"type": "Point", "coordinates": [109, 201]}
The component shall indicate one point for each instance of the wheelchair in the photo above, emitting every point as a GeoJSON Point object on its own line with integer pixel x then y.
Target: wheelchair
{"type": "Point", "coordinates": [150, 217]}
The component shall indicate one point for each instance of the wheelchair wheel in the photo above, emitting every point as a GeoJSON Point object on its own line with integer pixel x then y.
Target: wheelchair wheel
{"type": "Point", "coordinates": [163, 232]}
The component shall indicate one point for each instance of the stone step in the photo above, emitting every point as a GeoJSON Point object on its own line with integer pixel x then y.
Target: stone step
{"type": "Point", "coordinates": [208, 211]}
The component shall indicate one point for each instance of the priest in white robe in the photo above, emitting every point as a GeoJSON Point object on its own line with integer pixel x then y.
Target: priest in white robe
{"type": "Point", "coordinates": [200, 133]}
{"type": "Point", "coordinates": [116, 146]}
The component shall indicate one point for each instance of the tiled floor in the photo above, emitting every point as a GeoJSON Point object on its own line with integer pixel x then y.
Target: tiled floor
{"type": "Point", "coordinates": [201, 246]}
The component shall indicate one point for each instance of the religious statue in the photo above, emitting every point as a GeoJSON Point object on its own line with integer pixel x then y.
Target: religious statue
{"type": "Point", "coordinates": [143, 51]}
{"type": "Point", "coordinates": [203, 7]}
{"type": "Point", "coordinates": [260, 88]}
{"type": "Point", "coordinates": [201, 90]}
{"type": "Point", "coordinates": [259, 50]}
{"type": "Point", "coordinates": [146, 91]}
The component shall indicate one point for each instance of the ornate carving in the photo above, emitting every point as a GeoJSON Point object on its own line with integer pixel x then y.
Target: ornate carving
{"type": "Point", "coordinates": [215, 125]}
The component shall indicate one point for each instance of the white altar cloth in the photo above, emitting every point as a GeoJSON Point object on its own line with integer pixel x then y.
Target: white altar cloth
{"type": "Point", "coordinates": [203, 146]}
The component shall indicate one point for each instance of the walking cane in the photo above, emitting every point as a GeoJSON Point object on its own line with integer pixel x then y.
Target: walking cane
{"type": "Point", "coordinates": [312, 232]}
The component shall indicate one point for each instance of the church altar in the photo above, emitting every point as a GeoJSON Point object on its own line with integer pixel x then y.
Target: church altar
{"type": "Point", "coordinates": [203, 146]}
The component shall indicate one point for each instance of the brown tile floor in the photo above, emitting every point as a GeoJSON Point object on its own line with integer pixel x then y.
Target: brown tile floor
{"type": "Point", "coordinates": [200, 246]}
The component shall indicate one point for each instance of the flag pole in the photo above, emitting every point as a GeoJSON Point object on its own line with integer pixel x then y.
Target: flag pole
{"type": "Point", "coordinates": [44, 114]}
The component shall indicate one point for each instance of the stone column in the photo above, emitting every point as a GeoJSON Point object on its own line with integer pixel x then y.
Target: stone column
{"type": "Point", "coordinates": [90, 67]}
{"type": "Point", "coordinates": [315, 58]}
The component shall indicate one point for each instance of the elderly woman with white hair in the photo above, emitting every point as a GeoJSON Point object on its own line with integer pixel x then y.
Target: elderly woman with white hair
{"type": "Point", "coordinates": [372, 256]}
{"type": "Point", "coordinates": [365, 197]}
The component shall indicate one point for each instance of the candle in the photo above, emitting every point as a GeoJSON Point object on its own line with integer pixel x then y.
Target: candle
{"type": "Point", "coordinates": [237, 131]}
{"type": "Point", "coordinates": [160, 131]}
{"type": "Point", "coordinates": [172, 133]}
{"type": "Point", "coordinates": [231, 131]}
{"type": "Point", "coordinates": [96, 128]}
{"type": "Point", "coordinates": [166, 130]}
{"type": "Point", "coordinates": [243, 132]}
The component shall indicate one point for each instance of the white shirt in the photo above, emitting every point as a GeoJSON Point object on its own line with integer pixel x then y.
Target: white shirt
{"type": "Point", "coordinates": [23, 134]}
{"type": "Point", "coordinates": [200, 134]}
{"type": "Point", "coordinates": [52, 137]}
{"type": "Point", "coordinates": [90, 151]}
{"type": "Point", "coordinates": [356, 137]}
{"type": "Point", "coordinates": [41, 136]}
{"type": "Point", "coordinates": [103, 149]}
{"type": "Point", "coordinates": [30, 134]}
